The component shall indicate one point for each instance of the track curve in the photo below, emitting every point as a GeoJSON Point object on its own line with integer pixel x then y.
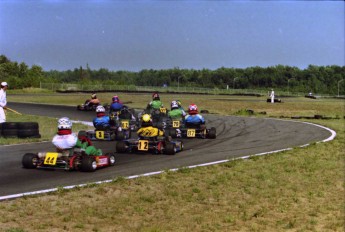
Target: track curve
{"type": "Point", "coordinates": [236, 137]}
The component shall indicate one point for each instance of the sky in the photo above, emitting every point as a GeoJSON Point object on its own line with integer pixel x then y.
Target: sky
{"type": "Point", "coordinates": [135, 35]}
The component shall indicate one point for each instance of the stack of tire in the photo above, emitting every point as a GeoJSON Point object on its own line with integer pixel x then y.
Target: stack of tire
{"type": "Point", "coordinates": [20, 129]}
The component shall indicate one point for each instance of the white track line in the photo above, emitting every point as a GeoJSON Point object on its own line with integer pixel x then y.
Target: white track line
{"type": "Point", "coordinates": [333, 134]}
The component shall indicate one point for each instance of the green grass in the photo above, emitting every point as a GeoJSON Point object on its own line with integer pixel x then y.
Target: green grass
{"type": "Point", "coordinates": [296, 190]}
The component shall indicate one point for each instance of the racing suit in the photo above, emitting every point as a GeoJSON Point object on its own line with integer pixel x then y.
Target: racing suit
{"type": "Point", "coordinates": [149, 131]}
{"type": "Point", "coordinates": [65, 142]}
{"type": "Point", "coordinates": [194, 120]}
{"type": "Point", "coordinates": [3, 103]}
{"type": "Point", "coordinates": [116, 106]}
{"type": "Point", "coordinates": [155, 104]}
{"type": "Point", "coordinates": [177, 113]}
{"type": "Point", "coordinates": [101, 122]}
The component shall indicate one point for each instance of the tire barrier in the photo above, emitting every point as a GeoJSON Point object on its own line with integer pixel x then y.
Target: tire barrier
{"type": "Point", "coordinates": [20, 129]}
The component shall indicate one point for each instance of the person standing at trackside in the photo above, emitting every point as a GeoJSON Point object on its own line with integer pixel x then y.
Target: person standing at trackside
{"type": "Point", "coordinates": [272, 96]}
{"type": "Point", "coordinates": [3, 101]}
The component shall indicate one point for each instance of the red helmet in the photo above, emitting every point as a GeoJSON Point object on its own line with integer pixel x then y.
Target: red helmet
{"type": "Point", "coordinates": [155, 96]}
{"type": "Point", "coordinates": [192, 109]}
{"type": "Point", "coordinates": [116, 99]}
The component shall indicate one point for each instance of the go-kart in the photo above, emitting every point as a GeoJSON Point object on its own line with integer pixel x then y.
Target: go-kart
{"type": "Point", "coordinates": [124, 120]}
{"type": "Point", "coordinates": [106, 134]}
{"type": "Point", "coordinates": [158, 116]}
{"type": "Point", "coordinates": [178, 128]}
{"type": "Point", "coordinates": [74, 159]}
{"type": "Point", "coordinates": [155, 145]}
{"type": "Point", "coordinates": [90, 107]}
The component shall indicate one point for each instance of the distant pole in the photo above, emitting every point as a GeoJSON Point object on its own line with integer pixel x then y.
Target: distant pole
{"type": "Point", "coordinates": [178, 83]}
{"type": "Point", "coordinates": [338, 85]}
{"type": "Point", "coordinates": [234, 82]}
{"type": "Point", "coordinates": [289, 85]}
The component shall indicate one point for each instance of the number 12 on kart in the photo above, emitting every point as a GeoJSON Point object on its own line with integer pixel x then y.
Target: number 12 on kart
{"type": "Point", "coordinates": [143, 145]}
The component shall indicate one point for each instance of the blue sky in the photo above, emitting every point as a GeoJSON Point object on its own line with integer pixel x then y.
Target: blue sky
{"type": "Point", "coordinates": [136, 35]}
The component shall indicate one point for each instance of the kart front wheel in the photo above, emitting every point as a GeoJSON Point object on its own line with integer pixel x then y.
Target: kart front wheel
{"type": "Point", "coordinates": [170, 149]}
{"type": "Point", "coordinates": [111, 159]}
{"type": "Point", "coordinates": [30, 160]}
{"type": "Point", "coordinates": [212, 134]}
{"type": "Point", "coordinates": [121, 147]}
{"type": "Point", "coordinates": [88, 164]}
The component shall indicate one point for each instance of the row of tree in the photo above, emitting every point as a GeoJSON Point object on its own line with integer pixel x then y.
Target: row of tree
{"type": "Point", "coordinates": [317, 79]}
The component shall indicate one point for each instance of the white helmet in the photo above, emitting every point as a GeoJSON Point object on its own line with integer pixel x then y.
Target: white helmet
{"type": "Point", "coordinates": [174, 104]}
{"type": "Point", "coordinates": [100, 109]}
{"type": "Point", "coordinates": [64, 123]}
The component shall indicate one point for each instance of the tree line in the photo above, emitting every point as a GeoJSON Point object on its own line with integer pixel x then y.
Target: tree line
{"type": "Point", "coordinates": [316, 79]}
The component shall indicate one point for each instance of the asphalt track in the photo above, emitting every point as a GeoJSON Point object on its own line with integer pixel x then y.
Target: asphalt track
{"type": "Point", "coordinates": [236, 137]}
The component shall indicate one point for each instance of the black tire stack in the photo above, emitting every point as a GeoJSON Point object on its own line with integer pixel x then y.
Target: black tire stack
{"type": "Point", "coordinates": [20, 129]}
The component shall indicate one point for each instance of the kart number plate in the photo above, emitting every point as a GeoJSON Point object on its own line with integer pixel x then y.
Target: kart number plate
{"type": "Point", "coordinates": [191, 133]}
{"type": "Point", "coordinates": [176, 124]}
{"type": "Point", "coordinates": [143, 145]}
{"type": "Point", "coordinates": [99, 134]}
{"type": "Point", "coordinates": [50, 158]}
{"type": "Point", "coordinates": [125, 124]}
{"type": "Point", "coordinates": [163, 110]}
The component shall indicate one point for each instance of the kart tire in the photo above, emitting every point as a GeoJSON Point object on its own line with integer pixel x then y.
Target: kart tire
{"type": "Point", "coordinates": [26, 133]}
{"type": "Point", "coordinates": [27, 125]}
{"type": "Point", "coordinates": [10, 125]}
{"type": "Point", "coordinates": [88, 164]}
{"type": "Point", "coordinates": [9, 132]}
{"type": "Point", "coordinates": [79, 107]}
{"type": "Point", "coordinates": [212, 133]}
{"type": "Point", "coordinates": [111, 159]}
{"type": "Point", "coordinates": [121, 147]}
{"type": "Point", "coordinates": [30, 160]}
{"type": "Point", "coordinates": [170, 149]}
{"type": "Point", "coordinates": [0, 129]}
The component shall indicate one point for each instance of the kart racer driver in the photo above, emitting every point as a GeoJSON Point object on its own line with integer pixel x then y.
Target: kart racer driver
{"type": "Point", "coordinates": [194, 119]}
{"type": "Point", "coordinates": [176, 112]}
{"type": "Point", "coordinates": [66, 140]}
{"type": "Point", "coordinates": [147, 129]}
{"type": "Point", "coordinates": [93, 101]}
{"type": "Point", "coordinates": [102, 121]}
{"type": "Point", "coordinates": [156, 103]}
{"type": "Point", "coordinates": [116, 104]}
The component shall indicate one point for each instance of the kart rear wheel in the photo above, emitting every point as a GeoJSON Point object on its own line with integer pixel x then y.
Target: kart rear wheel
{"type": "Point", "coordinates": [111, 159]}
{"type": "Point", "coordinates": [121, 147]}
{"type": "Point", "coordinates": [30, 160]}
{"type": "Point", "coordinates": [212, 133]}
{"type": "Point", "coordinates": [170, 149]}
{"type": "Point", "coordinates": [88, 164]}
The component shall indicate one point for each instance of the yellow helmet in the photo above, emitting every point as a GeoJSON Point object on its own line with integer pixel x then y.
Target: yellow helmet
{"type": "Point", "coordinates": [146, 118]}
